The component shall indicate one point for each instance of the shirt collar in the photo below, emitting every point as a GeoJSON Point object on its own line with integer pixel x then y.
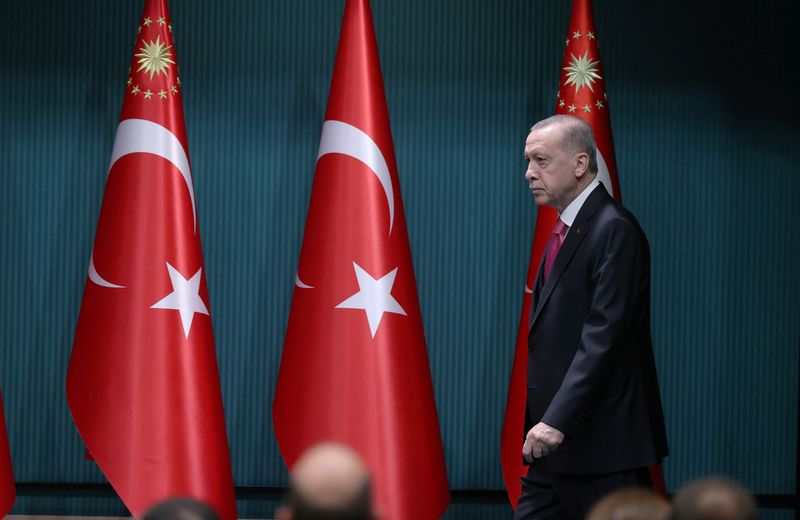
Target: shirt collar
{"type": "Point", "coordinates": [571, 211]}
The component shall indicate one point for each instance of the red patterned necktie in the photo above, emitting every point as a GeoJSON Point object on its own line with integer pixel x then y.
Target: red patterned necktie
{"type": "Point", "coordinates": [553, 246]}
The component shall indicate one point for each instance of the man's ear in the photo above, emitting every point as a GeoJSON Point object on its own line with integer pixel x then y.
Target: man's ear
{"type": "Point", "coordinates": [581, 164]}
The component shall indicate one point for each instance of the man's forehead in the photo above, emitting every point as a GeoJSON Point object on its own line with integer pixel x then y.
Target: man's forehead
{"type": "Point", "coordinates": [541, 136]}
{"type": "Point", "coordinates": [536, 144]}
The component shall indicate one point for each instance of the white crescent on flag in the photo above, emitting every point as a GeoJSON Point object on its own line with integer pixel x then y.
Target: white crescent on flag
{"type": "Point", "coordinates": [603, 175]}
{"type": "Point", "coordinates": [142, 136]}
{"type": "Point", "coordinates": [99, 280]}
{"type": "Point", "coordinates": [299, 283]}
{"type": "Point", "coordinates": [346, 139]}
{"type": "Point", "coordinates": [343, 138]}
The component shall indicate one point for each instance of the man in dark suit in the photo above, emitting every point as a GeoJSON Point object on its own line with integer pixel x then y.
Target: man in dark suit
{"type": "Point", "coordinates": [594, 418]}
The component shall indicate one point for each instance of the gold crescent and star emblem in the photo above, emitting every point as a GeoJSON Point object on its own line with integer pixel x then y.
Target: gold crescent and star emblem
{"type": "Point", "coordinates": [155, 59]}
{"type": "Point", "coordinates": [582, 70]}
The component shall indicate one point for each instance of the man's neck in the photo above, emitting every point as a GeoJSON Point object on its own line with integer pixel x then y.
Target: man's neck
{"type": "Point", "coordinates": [568, 214]}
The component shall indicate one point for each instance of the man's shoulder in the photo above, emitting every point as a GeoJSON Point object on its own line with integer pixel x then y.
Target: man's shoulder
{"type": "Point", "coordinates": [612, 219]}
{"type": "Point", "coordinates": [604, 213]}
{"type": "Point", "coordinates": [612, 211]}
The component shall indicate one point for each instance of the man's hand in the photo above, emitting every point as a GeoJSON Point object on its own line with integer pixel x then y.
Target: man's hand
{"type": "Point", "coordinates": [541, 440]}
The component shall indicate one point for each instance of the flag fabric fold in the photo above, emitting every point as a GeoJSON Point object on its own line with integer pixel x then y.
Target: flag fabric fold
{"type": "Point", "coordinates": [581, 93]}
{"type": "Point", "coordinates": [354, 367]}
{"type": "Point", "coordinates": [8, 492]}
{"type": "Point", "coordinates": [143, 384]}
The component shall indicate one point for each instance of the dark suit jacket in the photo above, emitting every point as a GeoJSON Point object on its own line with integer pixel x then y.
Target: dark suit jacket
{"type": "Point", "coordinates": [591, 372]}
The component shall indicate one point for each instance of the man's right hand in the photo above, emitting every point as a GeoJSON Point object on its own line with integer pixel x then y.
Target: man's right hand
{"type": "Point", "coordinates": [541, 440]}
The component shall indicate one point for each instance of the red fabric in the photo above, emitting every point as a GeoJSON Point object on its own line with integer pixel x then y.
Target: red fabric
{"type": "Point", "coordinates": [7, 488]}
{"type": "Point", "coordinates": [143, 384]}
{"type": "Point", "coordinates": [659, 483]}
{"type": "Point", "coordinates": [343, 376]}
{"type": "Point", "coordinates": [589, 102]}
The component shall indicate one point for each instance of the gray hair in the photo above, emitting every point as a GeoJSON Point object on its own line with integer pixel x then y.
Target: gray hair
{"type": "Point", "coordinates": [576, 136]}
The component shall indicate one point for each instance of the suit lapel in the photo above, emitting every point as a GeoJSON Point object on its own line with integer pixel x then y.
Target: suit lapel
{"type": "Point", "coordinates": [580, 228]}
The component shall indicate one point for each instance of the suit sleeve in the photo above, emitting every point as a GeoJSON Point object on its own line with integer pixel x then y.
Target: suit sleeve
{"type": "Point", "coordinates": [618, 274]}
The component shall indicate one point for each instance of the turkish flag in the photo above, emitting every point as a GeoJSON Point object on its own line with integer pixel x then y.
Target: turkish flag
{"type": "Point", "coordinates": [8, 491]}
{"type": "Point", "coordinates": [354, 366]}
{"type": "Point", "coordinates": [581, 93]}
{"type": "Point", "coordinates": [143, 384]}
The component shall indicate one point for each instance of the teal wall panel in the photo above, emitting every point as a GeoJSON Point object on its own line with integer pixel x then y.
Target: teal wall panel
{"type": "Point", "coordinates": [705, 130]}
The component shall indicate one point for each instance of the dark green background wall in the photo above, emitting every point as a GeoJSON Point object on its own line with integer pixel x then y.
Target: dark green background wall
{"type": "Point", "coordinates": [704, 108]}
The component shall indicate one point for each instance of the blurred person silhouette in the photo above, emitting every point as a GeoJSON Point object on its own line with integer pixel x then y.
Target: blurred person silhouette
{"type": "Point", "coordinates": [631, 504]}
{"type": "Point", "coordinates": [180, 509]}
{"type": "Point", "coordinates": [714, 498]}
{"type": "Point", "coordinates": [329, 482]}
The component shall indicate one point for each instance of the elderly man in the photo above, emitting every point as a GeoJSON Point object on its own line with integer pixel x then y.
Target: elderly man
{"type": "Point", "coordinates": [594, 418]}
{"type": "Point", "coordinates": [329, 482]}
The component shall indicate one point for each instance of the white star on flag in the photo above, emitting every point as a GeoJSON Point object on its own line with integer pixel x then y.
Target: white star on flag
{"type": "Point", "coordinates": [184, 298]}
{"type": "Point", "coordinates": [374, 297]}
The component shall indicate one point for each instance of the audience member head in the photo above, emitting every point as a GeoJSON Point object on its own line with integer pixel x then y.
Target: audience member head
{"type": "Point", "coordinates": [631, 504]}
{"type": "Point", "coordinates": [328, 482]}
{"type": "Point", "coordinates": [180, 509]}
{"type": "Point", "coordinates": [715, 498]}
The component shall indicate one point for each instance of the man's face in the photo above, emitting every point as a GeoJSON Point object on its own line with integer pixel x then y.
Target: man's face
{"type": "Point", "coordinates": [551, 171]}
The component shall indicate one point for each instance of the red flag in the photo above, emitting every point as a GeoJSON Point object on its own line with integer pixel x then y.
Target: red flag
{"type": "Point", "coordinates": [581, 93]}
{"type": "Point", "coordinates": [143, 384]}
{"type": "Point", "coordinates": [355, 366]}
{"type": "Point", "coordinates": [8, 491]}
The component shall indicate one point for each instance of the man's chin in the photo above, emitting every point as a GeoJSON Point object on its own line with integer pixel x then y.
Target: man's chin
{"type": "Point", "coordinates": [540, 198]}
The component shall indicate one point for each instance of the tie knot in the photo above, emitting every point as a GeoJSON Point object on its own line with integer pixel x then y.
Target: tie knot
{"type": "Point", "coordinates": [560, 228]}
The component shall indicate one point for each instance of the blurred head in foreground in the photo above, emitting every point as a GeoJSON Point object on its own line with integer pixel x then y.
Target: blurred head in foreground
{"type": "Point", "coordinates": [631, 504]}
{"type": "Point", "coordinates": [328, 482]}
{"type": "Point", "coordinates": [715, 498]}
{"type": "Point", "coordinates": [180, 509]}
